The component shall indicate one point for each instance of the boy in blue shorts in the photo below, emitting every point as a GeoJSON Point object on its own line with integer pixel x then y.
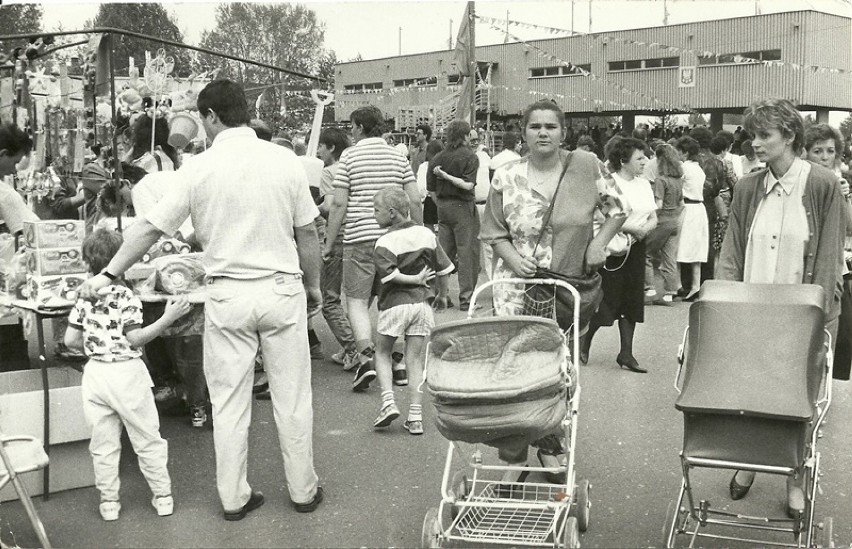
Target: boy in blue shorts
{"type": "Point", "coordinates": [407, 257]}
{"type": "Point", "coordinates": [116, 383]}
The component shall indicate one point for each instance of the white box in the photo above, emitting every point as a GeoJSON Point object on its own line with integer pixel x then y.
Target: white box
{"type": "Point", "coordinates": [54, 233]}
{"type": "Point", "coordinates": [22, 413]}
{"type": "Point", "coordinates": [46, 289]}
{"type": "Point", "coordinates": [55, 261]}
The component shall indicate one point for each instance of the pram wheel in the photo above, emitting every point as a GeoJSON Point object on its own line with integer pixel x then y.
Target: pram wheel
{"type": "Point", "coordinates": [460, 490]}
{"type": "Point", "coordinates": [431, 536]}
{"type": "Point", "coordinates": [582, 505]}
{"type": "Point", "coordinates": [827, 533]}
{"type": "Point", "coordinates": [571, 535]}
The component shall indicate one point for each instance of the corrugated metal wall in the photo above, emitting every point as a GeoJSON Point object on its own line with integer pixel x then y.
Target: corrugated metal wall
{"type": "Point", "coordinates": [804, 37]}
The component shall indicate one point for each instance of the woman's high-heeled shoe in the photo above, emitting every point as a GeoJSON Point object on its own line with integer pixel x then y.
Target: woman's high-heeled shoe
{"type": "Point", "coordinates": [691, 297]}
{"type": "Point", "coordinates": [631, 364]}
{"type": "Point", "coordinates": [737, 490]}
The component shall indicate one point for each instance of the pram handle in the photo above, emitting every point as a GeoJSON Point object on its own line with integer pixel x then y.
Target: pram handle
{"type": "Point", "coordinates": [575, 344]}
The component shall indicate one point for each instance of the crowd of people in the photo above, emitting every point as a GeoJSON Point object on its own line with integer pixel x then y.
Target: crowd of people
{"type": "Point", "coordinates": [382, 224]}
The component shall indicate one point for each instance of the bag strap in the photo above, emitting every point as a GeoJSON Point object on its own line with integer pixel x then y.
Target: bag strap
{"type": "Point", "coordinates": [546, 220]}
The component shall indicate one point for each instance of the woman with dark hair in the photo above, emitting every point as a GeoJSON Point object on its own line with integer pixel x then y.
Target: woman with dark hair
{"type": "Point", "coordinates": [451, 180]}
{"type": "Point", "coordinates": [163, 157]}
{"type": "Point", "coordinates": [823, 145]}
{"type": "Point", "coordinates": [661, 244]}
{"type": "Point", "coordinates": [693, 244]}
{"type": "Point", "coordinates": [786, 227]}
{"type": "Point", "coordinates": [430, 210]}
{"type": "Point", "coordinates": [624, 275]}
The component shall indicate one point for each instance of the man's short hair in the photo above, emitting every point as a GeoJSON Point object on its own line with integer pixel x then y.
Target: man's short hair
{"type": "Point", "coordinates": [14, 140]}
{"type": "Point", "coordinates": [261, 128]}
{"type": "Point", "coordinates": [335, 140]}
{"type": "Point", "coordinates": [510, 140]}
{"type": "Point", "coordinates": [718, 144]}
{"type": "Point", "coordinates": [586, 141]}
{"type": "Point", "coordinates": [703, 135]}
{"type": "Point", "coordinates": [100, 247]}
{"type": "Point", "coordinates": [394, 197]}
{"type": "Point", "coordinates": [370, 118]}
{"type": "Point", "coordinates": [426, 129]}
{"type": "Point", "coordinates": [227, 100]}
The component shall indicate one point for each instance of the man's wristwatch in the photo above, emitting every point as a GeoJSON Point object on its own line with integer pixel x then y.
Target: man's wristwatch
{"type": "Point", "coordinates": [108, 274]}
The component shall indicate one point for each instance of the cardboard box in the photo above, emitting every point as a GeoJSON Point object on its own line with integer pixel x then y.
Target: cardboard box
{"type": "Point", "coordinates": [54, 234]}
{"type": "Point", "coordinates": [47, 290]}
{"type": "Point", "coordinates": [22, 413]}
{"type": "Point", "coordinates": [55, 261]}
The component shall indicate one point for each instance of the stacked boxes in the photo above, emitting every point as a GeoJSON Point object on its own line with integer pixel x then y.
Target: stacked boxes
{"type": "Point", "coordinates": [54, 260]}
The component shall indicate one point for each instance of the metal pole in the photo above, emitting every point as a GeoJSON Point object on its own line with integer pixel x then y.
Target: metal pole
{"type": "Point", "coordinates": [506, 37]}
{"type": "Point", "coordinates": [665, 13]}
{"type": "Point", "coordinates": [400, 40]}
{"type": "Point", "coordinates": [472, 56]}
{"type": "Point", "coordinates": [590, 16]}
{"type": "Point", "coordinates": [450, 41]}
{"type": "Point", "coordinates": [572, 17]}
{"type": "Point", "coordinates": [116, 162]}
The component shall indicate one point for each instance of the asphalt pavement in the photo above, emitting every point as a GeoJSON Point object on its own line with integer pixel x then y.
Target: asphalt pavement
{"type": "Point", "coordinates": [379, 485]}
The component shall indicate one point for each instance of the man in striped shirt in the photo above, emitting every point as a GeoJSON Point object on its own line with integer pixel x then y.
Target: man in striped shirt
{"type": "Point", "coordinates": [365, 168]}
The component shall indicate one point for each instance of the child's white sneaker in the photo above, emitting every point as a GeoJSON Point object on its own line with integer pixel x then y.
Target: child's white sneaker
{"type": "Point", "coordinates": [109, 510]}
{"type": "Point", "coordinates": [165, 505]}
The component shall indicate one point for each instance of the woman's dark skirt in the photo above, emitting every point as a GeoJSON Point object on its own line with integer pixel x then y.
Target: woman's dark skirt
{"type": "Point", "coordinates": [623, 288]}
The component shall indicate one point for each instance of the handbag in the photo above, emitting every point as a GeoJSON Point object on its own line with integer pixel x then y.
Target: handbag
{"type": "Point", "coordinates": [589, 287]}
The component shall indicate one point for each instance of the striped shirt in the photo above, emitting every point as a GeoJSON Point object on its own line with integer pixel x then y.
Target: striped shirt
{"type": "Point", "coordinates": [407, 248]}
{"type": "Point", "coordinates": [364, 169]}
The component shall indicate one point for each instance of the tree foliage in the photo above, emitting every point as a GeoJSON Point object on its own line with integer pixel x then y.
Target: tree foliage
{"type": "Point", "coordinates": [149, 19]}
{"type": "Point", "coordinates": [283, 35]}
{"type": "Point", "coordinates": [18, 19]}
{"type": "Point", "coordinates": [846, 128]}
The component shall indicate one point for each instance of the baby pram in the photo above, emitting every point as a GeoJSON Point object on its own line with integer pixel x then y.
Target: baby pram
{"type": "Point", "coordinates": [493, 380]}
{"type": "Point", "coordinates": [756, 368]}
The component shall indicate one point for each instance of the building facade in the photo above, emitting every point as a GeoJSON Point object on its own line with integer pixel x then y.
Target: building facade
{"type": "Point", "coordinates": [711, 67]}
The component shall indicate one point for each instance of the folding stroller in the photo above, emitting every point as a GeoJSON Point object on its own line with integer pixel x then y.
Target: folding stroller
{"type": "Point", "coordinates": [492, 379]}
{"type": "Point", "coordinates": [756, 385]}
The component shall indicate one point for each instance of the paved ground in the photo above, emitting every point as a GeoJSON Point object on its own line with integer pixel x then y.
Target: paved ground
{"type": "Point", "coordinates": [379, 485]}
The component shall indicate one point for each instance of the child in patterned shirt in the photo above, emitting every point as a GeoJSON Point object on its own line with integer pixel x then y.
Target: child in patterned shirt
{"type": "Point", "coordinates": [116, 384]}
{"type": "Point", "coordinates": [407, 256]}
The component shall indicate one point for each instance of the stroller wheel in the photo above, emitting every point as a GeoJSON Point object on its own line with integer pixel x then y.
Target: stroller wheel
{"type": "Point", "coordinates": [582, 505]}
{"type": "Point", "coordinates": [672, 526]}
{"type": "Point", "coordinates": [827, 533]}
{"type": "Point", "coordinates": [460, 491]}
{"type": "Point", "coordinates": [431, 535]}
{"type": "Point", "coordinates": [571, 535]}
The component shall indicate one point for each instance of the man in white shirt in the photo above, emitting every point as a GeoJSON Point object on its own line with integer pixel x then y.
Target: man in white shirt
{"type": "Point", "coordinates": [509, 153]}
{"type": "Point", "coordinates": [254, 218]}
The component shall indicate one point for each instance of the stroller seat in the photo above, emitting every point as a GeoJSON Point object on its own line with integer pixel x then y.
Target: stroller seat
{"type": "Point", "coordinates": [752, 372]}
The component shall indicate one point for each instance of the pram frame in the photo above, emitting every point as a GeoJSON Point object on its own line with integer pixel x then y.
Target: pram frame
{"type": "Point", "coordinates": [543, 508]}
{"type": "Point", "coordinates": [678, 517]}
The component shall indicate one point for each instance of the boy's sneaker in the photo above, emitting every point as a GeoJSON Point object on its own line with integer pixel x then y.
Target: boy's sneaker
{"type": "Point", "coordinates": [165, 505]}
{"type": "Point", "coordinates": [199, 416]}
{"type": "Point", "coordinates": [109, 510]}
{"type": "Point", "coordinates": [415, 427]}
{"type": "Point", "coordinates": [387, 414]}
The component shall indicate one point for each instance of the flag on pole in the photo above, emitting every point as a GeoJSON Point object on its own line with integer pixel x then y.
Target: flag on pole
{"type": "Point", "coordinates": [461, 58]}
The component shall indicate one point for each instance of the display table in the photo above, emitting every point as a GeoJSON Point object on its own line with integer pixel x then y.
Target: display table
{"type": "Point", "coordinates": [41, 315]}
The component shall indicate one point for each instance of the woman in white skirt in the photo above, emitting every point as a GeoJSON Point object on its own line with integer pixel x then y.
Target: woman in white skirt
{"type": "Point", "coordinates": [693, 230]}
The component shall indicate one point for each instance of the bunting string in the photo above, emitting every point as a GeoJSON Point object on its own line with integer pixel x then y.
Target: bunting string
{"type": "Point", "coordinates": [704, 54]}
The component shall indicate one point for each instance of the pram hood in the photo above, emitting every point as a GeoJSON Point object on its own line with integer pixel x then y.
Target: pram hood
{"type": "Point", "coordinates": [755, 350]}
{"type": "Point", "coordinates": [495, 358]}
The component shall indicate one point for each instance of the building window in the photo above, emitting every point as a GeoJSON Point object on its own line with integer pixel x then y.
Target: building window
{"type": "Point", "coordinates": [362, 88]}
{"type": "Point", "coordinates": [635, 64]}
{"type": "Point", "coordinates": [559, 70]}
{"type": "Point", "coordinates": [426, 81]}
{"type": "Point", "coordinates": [741, 58]}
{"type": "Point", "coordinates": [453, 79]}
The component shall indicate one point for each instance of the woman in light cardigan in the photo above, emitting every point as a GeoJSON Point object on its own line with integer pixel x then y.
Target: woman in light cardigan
{"type": "Point", "coordinates": [786, 226]}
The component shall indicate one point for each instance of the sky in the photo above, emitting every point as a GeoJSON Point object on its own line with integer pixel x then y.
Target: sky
{"type": "Point", "coordinates": [377, 29]}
